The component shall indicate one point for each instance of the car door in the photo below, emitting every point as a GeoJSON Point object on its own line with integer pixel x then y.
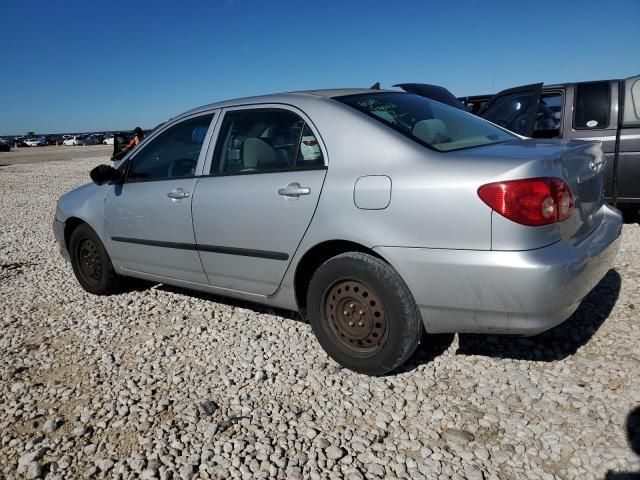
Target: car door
{"type": "Point", "coordinates": [251, 212]}
{"type": "Point", "coordinates": [595, 117]}
{"type": "Point", "coordinates": [515, 108]}
{"type": "Point", "coordinates": [628, 168]}
{"type": "Point", "coordinates": [148, 217]}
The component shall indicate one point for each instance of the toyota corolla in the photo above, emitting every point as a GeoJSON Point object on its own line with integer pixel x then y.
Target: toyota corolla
{"type": "Point", "coordinates": [378, 214]}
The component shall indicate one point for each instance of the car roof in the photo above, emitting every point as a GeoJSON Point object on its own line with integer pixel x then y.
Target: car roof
{"type": "Point", "coordinates": [285, 97]}
{"type": "Point", "coordinates": [341, 92]}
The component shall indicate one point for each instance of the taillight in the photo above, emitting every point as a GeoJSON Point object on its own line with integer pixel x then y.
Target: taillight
{"type": "Point", "coordinates": [310, 142]}
{"type": "Point", "coordinates": [531, 201]}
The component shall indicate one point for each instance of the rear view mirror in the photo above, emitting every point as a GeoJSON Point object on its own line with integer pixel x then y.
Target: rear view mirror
{"type": "Point", "coordinates": [104, 174]}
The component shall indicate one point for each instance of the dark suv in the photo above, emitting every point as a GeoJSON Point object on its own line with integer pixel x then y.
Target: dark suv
{"type": "Point", "coordinates": [607, 110]}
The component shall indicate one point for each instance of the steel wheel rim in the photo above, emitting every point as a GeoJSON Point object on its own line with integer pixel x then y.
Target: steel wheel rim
{"type": "Point", "coordinates": [356, 316]}
{"type": "Point", "coordinates": [89, 261]}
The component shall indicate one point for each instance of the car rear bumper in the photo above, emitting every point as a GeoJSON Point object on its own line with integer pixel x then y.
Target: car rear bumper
{"type": "Point", "coordinates": [58, 233]}
{"type": "Point", "coordinates": [509, 292]}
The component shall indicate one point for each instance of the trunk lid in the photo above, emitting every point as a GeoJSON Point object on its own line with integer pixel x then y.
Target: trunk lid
{"type": "Point", "coordinates": [581, 165]}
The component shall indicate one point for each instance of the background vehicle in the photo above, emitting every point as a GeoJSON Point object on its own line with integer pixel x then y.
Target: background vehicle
{"type": "Point", "coordinates": [482, 231]}
{"type": "Point", "coordinates": [54, 140]}
{"type": "Point", "coordinates": [73, 141]}
{"type": "Point", "coordinates": [36, 142]}
{"type": "Point", "coordinates": [92, 139]}
{"type": "Point", "coordinates": [108, 140]}
{"type": "Point", "coordinates": [608, 111]}
{"type": "Point", "coordinates": [4, 146]}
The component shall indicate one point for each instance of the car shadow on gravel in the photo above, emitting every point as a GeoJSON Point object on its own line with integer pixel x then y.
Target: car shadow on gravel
{"type": "Point", "coordinates": [633, 437]}
{"type": "Point", "coordinates": [630, 213]}
{"type": "Point", "coordinates": [557, 343]}
{"type": "Point", "coordinates": [431, 346]}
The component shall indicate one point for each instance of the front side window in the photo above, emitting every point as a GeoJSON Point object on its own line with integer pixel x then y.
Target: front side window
{"type": "Point", "coordinates": [592, 105]}
{"type": "Point", "coordinates": [430, 123]}
{"type": "Point", "coordinates": [262, 140]}
{"type": "Point", "coordinates": [172, 154]}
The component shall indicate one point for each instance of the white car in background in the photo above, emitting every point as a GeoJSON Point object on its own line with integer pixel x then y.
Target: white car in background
{"type": "Point", "coordinates": [36, 142]}
{"type": "Point", "coordinates": [108, 141]}
{"type": "Point", "coordinates": [73, 141]}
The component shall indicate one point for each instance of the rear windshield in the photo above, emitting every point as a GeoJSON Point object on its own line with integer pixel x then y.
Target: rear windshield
{"type": "Point", "coordinates": [430, 123]}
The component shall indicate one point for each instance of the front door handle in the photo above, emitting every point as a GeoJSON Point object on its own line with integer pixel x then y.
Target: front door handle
{"type": "Point", "coordinates": [177, 194]}
{"type": "Point", "coordinates": [294, 190]}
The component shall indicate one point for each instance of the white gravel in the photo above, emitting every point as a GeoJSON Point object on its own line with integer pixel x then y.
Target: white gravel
{"type": "Point", "coordinates": [163, 383]}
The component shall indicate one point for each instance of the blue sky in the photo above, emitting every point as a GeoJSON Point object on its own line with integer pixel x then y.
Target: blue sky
{"type": "Point", "coordinates": [72, 66]}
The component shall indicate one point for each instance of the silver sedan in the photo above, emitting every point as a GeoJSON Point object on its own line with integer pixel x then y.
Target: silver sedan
{"type": "Point", "coordinates": [378, 214]}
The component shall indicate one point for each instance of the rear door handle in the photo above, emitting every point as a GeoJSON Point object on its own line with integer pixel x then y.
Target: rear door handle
{"type": "Point", "coordinates": [294, 190]}
{"type": "Point", "coordinates": [177, 194]}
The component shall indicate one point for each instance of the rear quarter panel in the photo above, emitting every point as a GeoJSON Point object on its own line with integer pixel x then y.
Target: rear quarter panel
{"type": "Point", "coordinates": [434, 201]}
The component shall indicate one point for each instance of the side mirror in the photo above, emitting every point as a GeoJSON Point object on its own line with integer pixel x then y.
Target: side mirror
{"type": "Point", "coordinates": [104, 174]}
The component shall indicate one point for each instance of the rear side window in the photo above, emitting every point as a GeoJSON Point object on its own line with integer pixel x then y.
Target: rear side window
{"type": "Point", "coordinates": [592, 105]}
{"type": "Point", "coordinates": [262, 140]}
{"type": "Point", "coordinates": [430, 123]}
{"type": "Point", "coordinates": [173, 153]}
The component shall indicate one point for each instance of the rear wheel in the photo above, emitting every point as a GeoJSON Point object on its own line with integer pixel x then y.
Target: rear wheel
{"type": "Point", "coordinates": [91, 263]}
{"type": "Point", "coordinates": [363, 314]}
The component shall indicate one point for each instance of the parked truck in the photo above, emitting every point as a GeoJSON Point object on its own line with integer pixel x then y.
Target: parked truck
{"type": "Point", "coordinates": [607, 110]}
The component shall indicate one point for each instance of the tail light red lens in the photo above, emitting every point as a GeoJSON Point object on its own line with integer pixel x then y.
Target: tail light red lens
{"type": "Point", "coordinates": [530, 201]}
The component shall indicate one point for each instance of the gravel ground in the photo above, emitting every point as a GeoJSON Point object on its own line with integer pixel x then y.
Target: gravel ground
{"type": "Point", "coordinates": [54, 153]}
{"type": "Point", "coordinates": [159, 382]}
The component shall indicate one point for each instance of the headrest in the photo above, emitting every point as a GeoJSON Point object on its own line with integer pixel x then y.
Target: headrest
{"type": "Point", "coordinates": [431, 131]}
{"type": "Point", "coordinates": [256, 152]}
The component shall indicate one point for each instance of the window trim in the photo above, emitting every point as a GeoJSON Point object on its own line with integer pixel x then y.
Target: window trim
{"type": "Point", "coordinates": [575, 101]}
{"type": "Point", "coordinates": [222, 125]}
{"type": "Point", "coordinates": [208, 164]}
{"type": "Point", "coordinates": [215, 115]}
{"type": "Point", "coordinates": [211, 139]}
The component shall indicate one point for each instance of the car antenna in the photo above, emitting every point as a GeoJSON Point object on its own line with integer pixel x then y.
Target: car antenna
{"type": "Point", "coordinates": [375, 86]}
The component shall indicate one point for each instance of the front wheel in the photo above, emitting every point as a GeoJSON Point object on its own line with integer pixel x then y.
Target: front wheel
{"type": "Point", "coordinates": [91, 263]}
{"type": "Point", "coordinates": [363, 314]}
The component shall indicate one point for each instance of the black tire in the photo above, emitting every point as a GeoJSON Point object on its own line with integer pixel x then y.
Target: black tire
{"type": "Point", "coordinates": [91, 263]}
{"type": "Point", "coordinates": [363, 314]}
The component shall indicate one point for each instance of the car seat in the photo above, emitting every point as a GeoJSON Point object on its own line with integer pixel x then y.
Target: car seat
{"type": "Point", "coordinates": [258, 154]}
{"type": "Point", "coordinates": [431, 131]}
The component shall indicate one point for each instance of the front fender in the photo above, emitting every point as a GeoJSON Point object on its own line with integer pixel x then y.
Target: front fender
{"type": "Point", "coordinates": [86, 203]}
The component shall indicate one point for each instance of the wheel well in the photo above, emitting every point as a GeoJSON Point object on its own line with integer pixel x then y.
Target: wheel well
{"type": "Point", "coordinates": [315, 257]}
{"type": "Point", "coordinates": [69, 226]}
